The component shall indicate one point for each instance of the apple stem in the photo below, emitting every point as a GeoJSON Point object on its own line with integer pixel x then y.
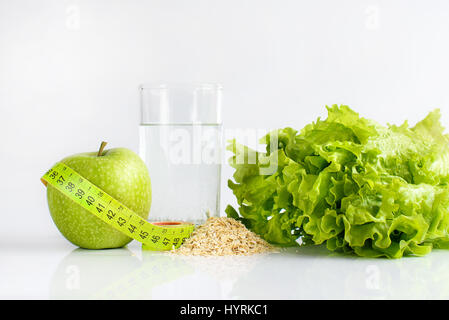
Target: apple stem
{"type": "Point", "coordinates": [102, 146]}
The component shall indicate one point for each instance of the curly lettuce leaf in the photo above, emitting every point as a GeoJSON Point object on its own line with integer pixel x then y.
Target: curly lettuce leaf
{"type": "Point", "coordinates": [350, 183]}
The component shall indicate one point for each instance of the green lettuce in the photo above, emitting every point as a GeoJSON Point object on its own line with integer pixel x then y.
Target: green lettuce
{"type": "Point", "coordinates": [349, 183]}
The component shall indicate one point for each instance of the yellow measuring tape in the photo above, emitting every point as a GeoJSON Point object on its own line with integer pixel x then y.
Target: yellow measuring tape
{"type": "Point", "coordinates": [153, 236]}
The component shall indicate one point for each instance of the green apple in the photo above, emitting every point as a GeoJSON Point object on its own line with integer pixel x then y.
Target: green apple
{"type": "Point", "coordinates": [119, 172]}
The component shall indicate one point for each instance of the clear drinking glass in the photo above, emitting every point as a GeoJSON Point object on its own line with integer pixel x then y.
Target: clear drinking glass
{"type": "Point", "coordinates": [180, 141]}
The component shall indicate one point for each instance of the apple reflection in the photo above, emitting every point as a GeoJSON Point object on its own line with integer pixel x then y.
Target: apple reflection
{"type": "Point", "coordinates": [113, 274]}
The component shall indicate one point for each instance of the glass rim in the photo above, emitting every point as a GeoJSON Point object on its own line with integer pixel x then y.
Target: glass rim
{"type": "Point", "coordinates": [179, 85]}
{"type": "Point", "coordinates": [192, 86]}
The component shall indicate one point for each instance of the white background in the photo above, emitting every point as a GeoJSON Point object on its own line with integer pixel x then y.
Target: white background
{"type": "Point", "coordinates": [69, 73]}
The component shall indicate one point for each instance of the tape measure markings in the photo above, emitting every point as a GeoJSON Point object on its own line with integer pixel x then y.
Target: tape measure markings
{"type": "Point", "coordinates": [114, 213]}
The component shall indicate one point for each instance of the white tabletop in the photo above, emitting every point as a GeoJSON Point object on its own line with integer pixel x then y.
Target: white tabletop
{"type": "Point", "coordinates": [51, 268]}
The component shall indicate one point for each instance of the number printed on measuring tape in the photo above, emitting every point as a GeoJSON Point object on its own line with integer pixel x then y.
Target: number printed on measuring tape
{"type": "Point", "coordinates": [114, 213]}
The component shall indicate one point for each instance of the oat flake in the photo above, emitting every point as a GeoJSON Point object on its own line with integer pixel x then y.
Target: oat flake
{"type": "Point", "coordinates": [223, 236]}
